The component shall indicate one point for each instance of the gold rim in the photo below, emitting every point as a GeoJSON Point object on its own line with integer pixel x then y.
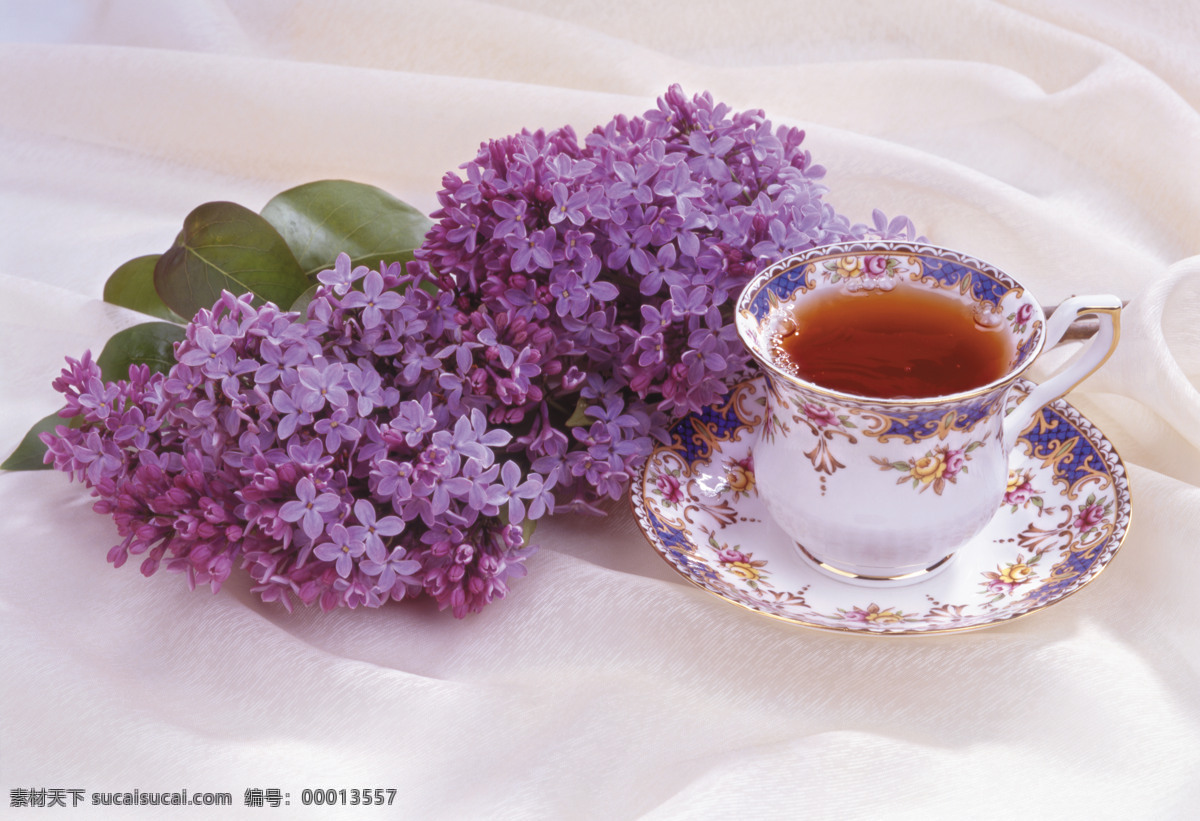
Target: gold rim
{"type": "Point", "coordinates": [839, 250]}
{"type": "Point", "coordinates": [863, 577]}
{"type": "Point", "coordinates": [1115, 317]}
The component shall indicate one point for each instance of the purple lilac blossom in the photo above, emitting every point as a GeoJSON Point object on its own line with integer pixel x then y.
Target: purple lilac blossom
{"type": "Point", "coordinates": [400, 438]}
{"type": "Point", "coordinates": [294, 449]}
{"type": "Point", "coordinates": [620, 256]}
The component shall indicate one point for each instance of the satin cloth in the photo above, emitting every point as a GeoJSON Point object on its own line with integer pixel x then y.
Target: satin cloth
{"type": "Point", "coordinates": [1059, 140]}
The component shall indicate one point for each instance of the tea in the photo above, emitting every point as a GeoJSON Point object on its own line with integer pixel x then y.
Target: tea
{"type": "Point", "coordinates": [907, 343]}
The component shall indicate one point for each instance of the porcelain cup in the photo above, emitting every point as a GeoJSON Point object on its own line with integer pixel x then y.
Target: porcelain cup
{"type": "Point", "coordinates": [885, 491]}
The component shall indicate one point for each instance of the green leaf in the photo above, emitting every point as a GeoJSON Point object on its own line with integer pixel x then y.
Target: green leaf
{"type": "Point", "coordinates": [527, 525]}
{"type": "Point", "coordinates": [151, 343]}
{"type": "Point", "coordinates": [132, 286]}
{"type": "Point", "coordinates": [300, 306]}
{"type": "Point", "coordinates": [28, 455]}
{"type": "Point", "coordinates": [224, 246]}
{"type": "Point", "coordinates": [322, 219]}
{"type": "Point", "coordinates": [527, 528]}
{"type": "Point", "coordinates": [579, 417]}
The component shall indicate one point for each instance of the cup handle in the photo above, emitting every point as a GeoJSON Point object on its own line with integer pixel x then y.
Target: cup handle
{"type": "Point", "coordinates": [1107, 310]}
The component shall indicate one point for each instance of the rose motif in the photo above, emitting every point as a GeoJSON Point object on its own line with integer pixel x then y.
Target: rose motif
{"type": "Point", "coordinates": [1089, 517]}
{"type": "Point", "coordinates": [668, 486]}
{"type": "Point", "coordinates": [1019, 490]}
{"type": "Point", "coordinates": [729, 555]}
{"type": "Point", "coordinates": [1020, 317]}
{"type": "Point", "coordinates": [742, 565]}
{"type": "Point", "coordinates": [873, 614]}
{"type": "Point", "coordinates": [820, 415]}
{"type": "Point", "coordinates": [936, 469]}
{"type": "Point", "coordinates": [955, 459]}
{"type": "Point", "coordinates": [740, 476]}
{"type": "Point", "coordinates": [1004, 580]}
{"type": "Point", "coordinates": [744, 571]}
{"type": "Point", "coordinates": [929, 468]}
{"type": "Point", "coordinates": [1016, 573]}
{"type": "Point", "coordinates": [875, 265]}
{"type": "Point", "coordinates": [849, 267]}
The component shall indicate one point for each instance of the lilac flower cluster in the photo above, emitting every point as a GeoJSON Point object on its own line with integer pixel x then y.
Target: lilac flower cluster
{"type": "Point", "coordinates": [334, 459]}
{"type": "Point", "coordinates": [598, 278]}
{"type": "Point", "coordinates": [399, 440]}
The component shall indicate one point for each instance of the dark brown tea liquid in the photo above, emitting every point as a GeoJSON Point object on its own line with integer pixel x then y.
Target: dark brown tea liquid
{"type": "Point", "coordinates": [907, 343]}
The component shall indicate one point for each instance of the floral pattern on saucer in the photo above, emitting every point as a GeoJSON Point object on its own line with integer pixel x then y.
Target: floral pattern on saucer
{"type": "Point", "coordinates": [1063, 518]}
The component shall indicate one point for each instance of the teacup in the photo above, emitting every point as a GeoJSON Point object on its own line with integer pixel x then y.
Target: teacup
{"type": "Point", "coordinates": [879, 474]}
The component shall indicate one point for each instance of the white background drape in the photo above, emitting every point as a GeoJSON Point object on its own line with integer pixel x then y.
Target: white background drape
{"type": "Point", "coordinates": [1059, 140]}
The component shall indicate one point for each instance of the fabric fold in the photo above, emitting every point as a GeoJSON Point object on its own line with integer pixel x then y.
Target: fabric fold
{"type": "Point", "coordinates": [1054, 139]}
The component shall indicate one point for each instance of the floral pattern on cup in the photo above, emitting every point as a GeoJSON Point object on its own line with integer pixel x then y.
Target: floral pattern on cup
{"type": "Point", "coordinates": [1019, 318]}
{"type": "Point", "coordinates": [937, 468]}
{"type": "Point", "coordinates": [1029, 557]}
{"type": "Point", "coordinates": [823, 416]}
{"type": "Point", "coordinates": [824, 423]}
{"type": "Point", "coordinates": [923, 423]}
{"type": "Point", "coordinates": [869, 272]}
{"type": "Point", "coordinates": [827, 422]}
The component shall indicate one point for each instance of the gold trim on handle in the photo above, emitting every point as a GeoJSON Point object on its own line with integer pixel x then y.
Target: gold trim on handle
{"type": "Point", "coordinates": [1115, 314]}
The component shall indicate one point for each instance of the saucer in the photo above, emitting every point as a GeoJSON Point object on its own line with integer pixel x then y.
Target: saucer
{"type": "Point", "coordinates": [1064, 517]}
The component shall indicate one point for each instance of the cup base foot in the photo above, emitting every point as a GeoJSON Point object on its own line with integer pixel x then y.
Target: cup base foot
{"type": "Point", "coordinates": [874, 580]}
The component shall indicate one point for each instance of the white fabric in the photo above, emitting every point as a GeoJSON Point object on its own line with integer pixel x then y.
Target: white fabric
{"type": "Point", "coordinates": [1060, 140]}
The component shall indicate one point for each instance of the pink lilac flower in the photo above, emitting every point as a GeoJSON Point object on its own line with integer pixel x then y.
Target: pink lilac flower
{"type": "Point", "coordinates": [372, 530]}
{"type": "Point", "coordinates": [342, 549]}
{"type": "Point", "coordinates": [309, 509]}
{"type": "Point", "coordinates": [390, 569]}
{"type": "Point", "coordinates": [373, 299]}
